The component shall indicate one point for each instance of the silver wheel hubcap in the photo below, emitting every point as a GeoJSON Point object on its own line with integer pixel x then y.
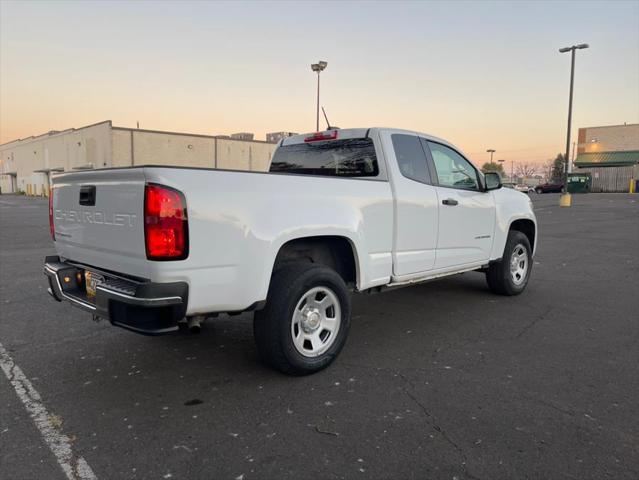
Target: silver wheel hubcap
{"type": "Point", "coordinates": [519, 264]}
{"type": "Point", "coordinates": [316, 321]}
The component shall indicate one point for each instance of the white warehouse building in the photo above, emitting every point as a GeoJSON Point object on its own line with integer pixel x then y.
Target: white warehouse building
{"type": "Point", "coordinates": [27, 164]}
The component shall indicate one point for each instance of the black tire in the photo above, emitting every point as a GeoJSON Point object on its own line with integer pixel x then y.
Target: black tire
{"type": "Point", "coordinates": [272, 325]}
{"type": "Point", "coordinates": [499, 277]}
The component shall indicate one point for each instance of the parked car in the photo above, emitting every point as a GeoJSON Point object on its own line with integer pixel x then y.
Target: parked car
{"type": "Point", "coordinates": [341, 211]}
{"type": "Point", "coordinates": [549, 188]}
{"type": "Point", "coordinates": [521, 187]}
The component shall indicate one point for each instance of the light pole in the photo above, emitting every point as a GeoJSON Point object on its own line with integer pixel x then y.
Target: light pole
{"type": "Point", "coordinates": [491, 151]}
{"type": "Point", "coordinates": [565, 200]}
{"type": "Point", "coordinates": [318, 67]}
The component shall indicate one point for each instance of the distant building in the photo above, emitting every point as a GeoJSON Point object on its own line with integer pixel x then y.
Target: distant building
{"type": "Point", "coordinates": [242, 136]}
{"type": "Point", "coordinates": [275, 137]}
{"type": "Point", "coordinates": [611, 155]}
{"type": "Point", "coordinates": [26, 165]}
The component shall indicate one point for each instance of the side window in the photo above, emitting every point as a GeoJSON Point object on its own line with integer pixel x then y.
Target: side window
{"type": "Point", "coordinates": [411, 158]}
{"type": "Point", "coordinates": [452, 169]}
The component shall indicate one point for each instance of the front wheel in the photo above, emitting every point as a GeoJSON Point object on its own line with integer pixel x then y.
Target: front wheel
{"type": "Point", "coordinates": [306, 319]}
{"type": "Point", "coordinates": [510, 275]}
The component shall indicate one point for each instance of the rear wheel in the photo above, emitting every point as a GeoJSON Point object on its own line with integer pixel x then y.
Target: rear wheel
{"type": "Point", "coordinates": [510, 275]}
{"type": "Point", "coordinates": [306, 319]}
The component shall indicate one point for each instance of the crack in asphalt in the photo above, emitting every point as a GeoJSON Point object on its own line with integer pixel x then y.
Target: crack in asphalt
{"type": "Point", "coordinates": [435, 425]}
{"type": "Point", "coordinates": [533, 323]}
{"type": "Point", "coordinates": [430, 419]}
{"type": "Point", "coordinates": [548, 404]}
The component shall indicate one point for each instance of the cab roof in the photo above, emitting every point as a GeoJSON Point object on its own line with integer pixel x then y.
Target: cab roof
{"type": "Point", "coordinates": [346, 133]}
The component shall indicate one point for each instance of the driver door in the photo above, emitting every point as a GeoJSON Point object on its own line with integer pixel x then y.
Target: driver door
{"type": "Point", "coordinates": [466, 214]}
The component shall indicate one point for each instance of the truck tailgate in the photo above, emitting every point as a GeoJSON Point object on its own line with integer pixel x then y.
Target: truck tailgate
{"type": "Point", "coordinates": [99, 219]}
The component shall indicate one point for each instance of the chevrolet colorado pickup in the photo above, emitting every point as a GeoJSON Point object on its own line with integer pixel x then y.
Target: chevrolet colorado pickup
{"type": "Point", "coordinates": [340, 211]}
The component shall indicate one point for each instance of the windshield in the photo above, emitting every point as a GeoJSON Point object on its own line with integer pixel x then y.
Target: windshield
{"type": "Point", "coordinates": [353, 157]}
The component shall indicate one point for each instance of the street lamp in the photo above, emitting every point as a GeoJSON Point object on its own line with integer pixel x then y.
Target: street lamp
{"type": "Point", "coordinates": [565, 200]}
{"type": "Point", "coordinates": [491, 151]}
{"type": "Point", "coordinates": [318, 67]}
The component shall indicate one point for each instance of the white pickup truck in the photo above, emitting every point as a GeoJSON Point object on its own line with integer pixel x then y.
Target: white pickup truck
{"type": "Point", "coordinates": [340, 211]}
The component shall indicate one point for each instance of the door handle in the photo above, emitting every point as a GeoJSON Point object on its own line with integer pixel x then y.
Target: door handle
{"type": "Point", "coordinates": [450, 201]}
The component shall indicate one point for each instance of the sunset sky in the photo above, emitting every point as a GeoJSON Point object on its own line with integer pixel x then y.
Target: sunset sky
{"type": "Point", "coordinates": [480, 74]}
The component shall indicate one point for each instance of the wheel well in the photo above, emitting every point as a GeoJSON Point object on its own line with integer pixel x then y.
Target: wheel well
{"type": "Point", "coordinates": [527, 227]}
{"type": "Point", "coordinates": [332, 251]}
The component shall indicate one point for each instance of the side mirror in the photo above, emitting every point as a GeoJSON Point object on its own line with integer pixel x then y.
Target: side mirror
{"type": "Point", "coordinates": [493, 181]}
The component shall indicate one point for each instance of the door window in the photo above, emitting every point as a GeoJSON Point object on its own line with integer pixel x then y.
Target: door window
{"type": "Point", "coordinates": [452, 169]}
{"type": "Point", "coordinates": [410, 157]}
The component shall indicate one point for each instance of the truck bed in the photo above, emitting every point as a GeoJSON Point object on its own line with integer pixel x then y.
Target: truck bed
{"type": "Point", "coordinates": [236, 220]}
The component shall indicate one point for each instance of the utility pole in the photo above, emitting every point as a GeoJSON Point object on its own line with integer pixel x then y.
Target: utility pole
{"type": "Point", "coordinates": [501, 162]}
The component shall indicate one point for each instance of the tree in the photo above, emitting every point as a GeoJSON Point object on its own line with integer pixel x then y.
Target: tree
{"type": "Point", "coordinates": [494, 167]}
{"type": "Point", "coordinates": [526, 169]}
{"type": "Point", "coordinates": [557, 171]}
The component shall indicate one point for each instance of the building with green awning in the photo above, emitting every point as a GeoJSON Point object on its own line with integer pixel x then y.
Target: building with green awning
{"type": "Point", "coordinates": [607, 159]}
{"type": "Point", "coordinates": [610, 154]}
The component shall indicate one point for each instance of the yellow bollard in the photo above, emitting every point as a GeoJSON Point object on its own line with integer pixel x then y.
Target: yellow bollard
{"type": "Point", "coordinates": [632, 186]}
{"type": "Point", "coordinates": [565, 200]}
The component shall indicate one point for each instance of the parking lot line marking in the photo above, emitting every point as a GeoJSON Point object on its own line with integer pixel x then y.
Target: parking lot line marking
{"type": "Point", "coordinates": [75, 468]}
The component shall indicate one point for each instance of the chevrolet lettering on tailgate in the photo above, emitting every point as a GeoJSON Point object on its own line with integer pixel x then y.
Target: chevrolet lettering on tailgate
{"type": "Point", "coordinates": [104, 218]}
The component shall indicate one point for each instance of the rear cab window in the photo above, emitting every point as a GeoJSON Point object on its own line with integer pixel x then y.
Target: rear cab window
{"type": "Point", "coordinates": [411, 158]}
{"type": "Point", "coordinates": [350, 157]}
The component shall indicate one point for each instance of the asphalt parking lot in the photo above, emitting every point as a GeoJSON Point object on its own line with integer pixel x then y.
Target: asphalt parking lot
{"type": "Point", "coordinates": [442, 380]}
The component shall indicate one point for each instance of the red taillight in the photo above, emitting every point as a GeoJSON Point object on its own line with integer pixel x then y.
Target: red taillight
{"type": "Point", "coordinates": [51, 224]}
{"type": "Point", "coordinates": [165, 223]}
{"type": "Point", "coordinates": [319, 136]}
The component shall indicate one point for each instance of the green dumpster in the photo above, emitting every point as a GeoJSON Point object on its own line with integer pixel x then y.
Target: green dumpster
{"type": "Point", "coordinates": [579, 182]}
